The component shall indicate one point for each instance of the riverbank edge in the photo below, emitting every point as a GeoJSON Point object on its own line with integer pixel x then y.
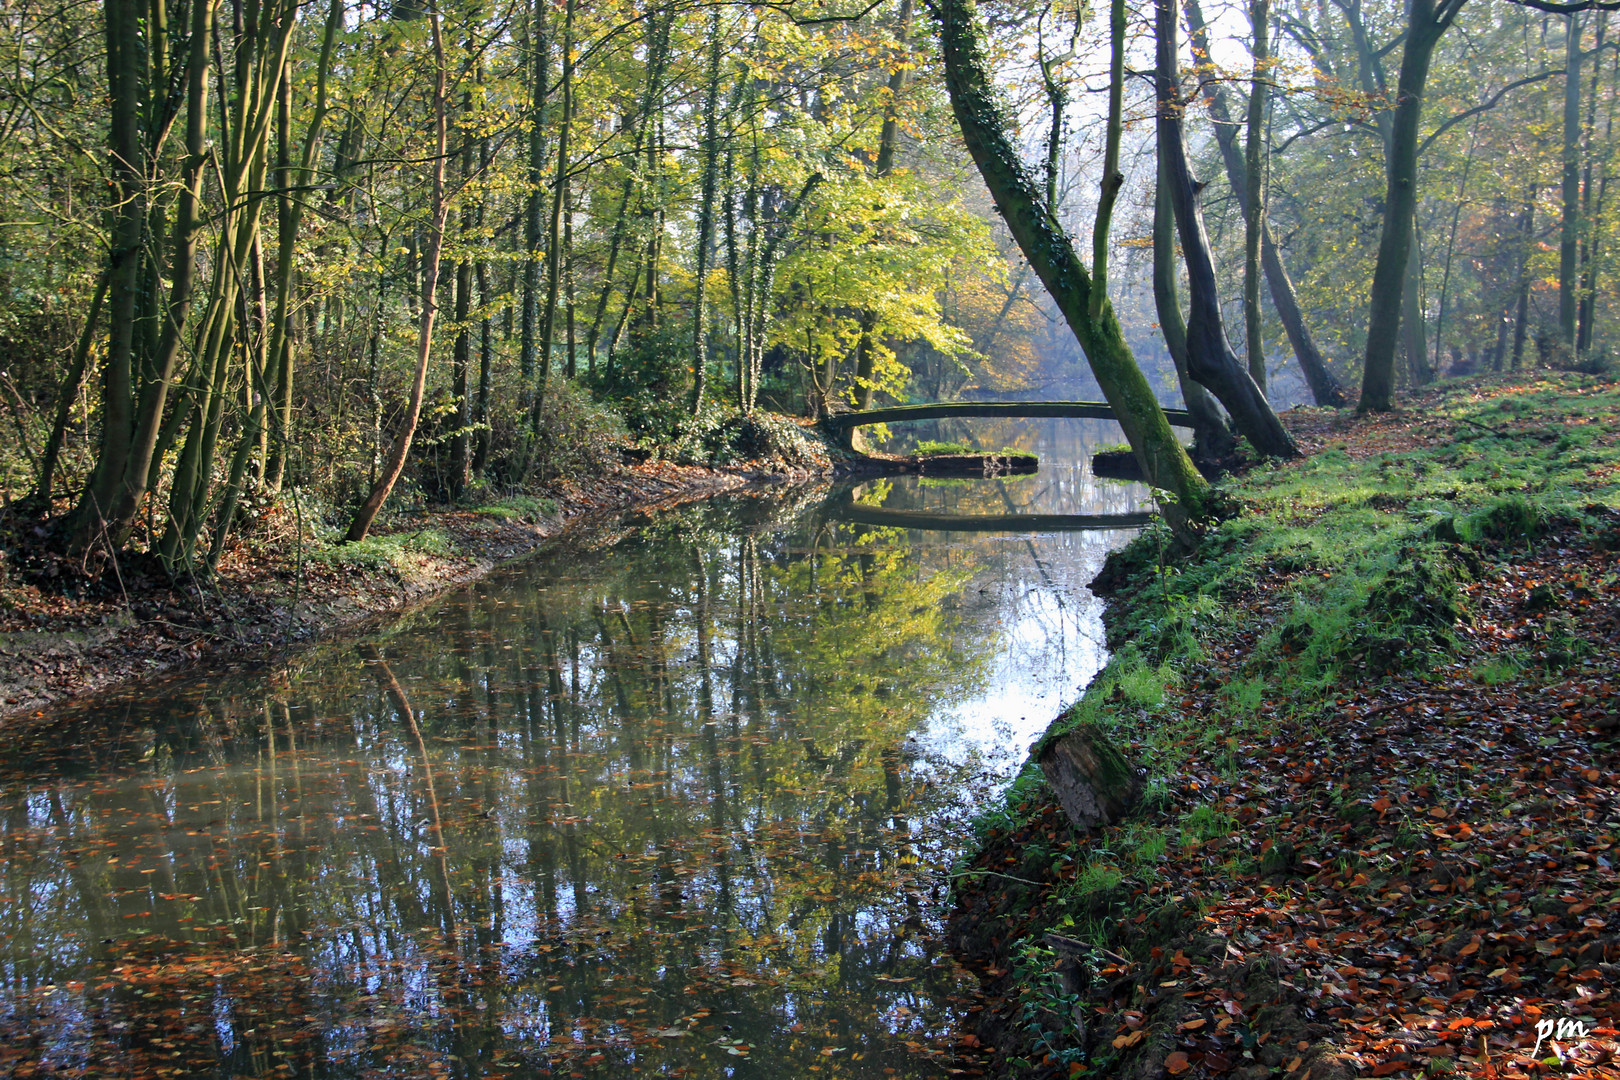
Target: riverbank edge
{"type": "Point", "coordinates": [259, 615]}
{"type": "Point", "coordinates": [262, 613]}
{"type": "Point", "coordinates": [1098, 952]}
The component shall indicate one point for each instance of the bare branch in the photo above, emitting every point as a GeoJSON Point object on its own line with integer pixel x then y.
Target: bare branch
{"type": "Point", "coordinates": [1484, 106]}
{"type": "Point", "coordinates": [1569, 7]}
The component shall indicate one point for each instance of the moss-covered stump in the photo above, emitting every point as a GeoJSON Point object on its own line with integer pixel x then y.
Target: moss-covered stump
{"type": "Point", "coordinates": [1092, 780]}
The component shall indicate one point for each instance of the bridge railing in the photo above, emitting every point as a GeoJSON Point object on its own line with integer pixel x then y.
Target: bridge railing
{"type": "Point", "coordinates": [1088, 410]}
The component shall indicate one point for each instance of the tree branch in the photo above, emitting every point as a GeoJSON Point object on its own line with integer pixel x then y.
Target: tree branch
{"type": "Point", "coordinates": [1484, 106]}
{"type": "Point", "coordinates": [1569, 7]}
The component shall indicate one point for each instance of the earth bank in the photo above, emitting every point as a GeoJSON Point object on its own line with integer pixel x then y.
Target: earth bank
{"type": "Point", "coordinates": [1374, 715]}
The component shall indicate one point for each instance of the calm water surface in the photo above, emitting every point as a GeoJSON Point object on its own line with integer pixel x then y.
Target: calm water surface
{"type": "Point", "coordinates": [679, 799]}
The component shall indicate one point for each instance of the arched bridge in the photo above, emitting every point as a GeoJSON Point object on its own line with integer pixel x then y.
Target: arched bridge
{"type": "Point", "coordinates": [843, 423]}
{"type": "Point", "coordinates": [986, 523]}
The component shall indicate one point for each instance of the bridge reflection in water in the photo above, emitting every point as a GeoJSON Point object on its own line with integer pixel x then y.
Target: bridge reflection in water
{"type": "Point", "coordinates": [847, 509]}
{"type": "Point", "coordinates": [1064, 497]}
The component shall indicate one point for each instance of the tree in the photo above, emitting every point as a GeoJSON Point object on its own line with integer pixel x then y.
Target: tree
{"type": "Point", "coordinates": [1210, 359]}
{"type": "Point", "coordinates": [1254, 206]}
{"type": "Point", "coordinates": [438, 214]}
{"type": "Point", "coordinates": [1082, 300]}
{"type": "Point", "coordinates": [1427, 20]}
{"type": "Point", "coordinates": [132, 411]}
{"type": "Point", "coordinates": [1325, 388]}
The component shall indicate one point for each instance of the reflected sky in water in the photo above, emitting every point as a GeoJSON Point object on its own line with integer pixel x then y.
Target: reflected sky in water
{"type": "Point", "coordinates": [677, 798]}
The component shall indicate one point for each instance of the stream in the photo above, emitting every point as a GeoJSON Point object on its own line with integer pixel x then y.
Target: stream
{"type": "Point", "coordinates": [678, 796]}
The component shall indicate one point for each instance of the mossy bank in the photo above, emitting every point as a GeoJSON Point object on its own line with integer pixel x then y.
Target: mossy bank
{"type": "Point", "coordinates": [1373, 715]}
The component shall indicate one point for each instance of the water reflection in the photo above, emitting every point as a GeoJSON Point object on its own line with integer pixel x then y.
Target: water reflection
{"type": "Point", "coordinates": [676, 802]}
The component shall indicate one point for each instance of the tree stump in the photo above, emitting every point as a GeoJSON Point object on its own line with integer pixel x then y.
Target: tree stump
{"type": "Point", "coordinates": [1094, 783]}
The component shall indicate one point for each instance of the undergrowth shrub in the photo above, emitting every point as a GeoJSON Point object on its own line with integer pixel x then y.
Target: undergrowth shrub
{"type": "Point", "coordinates": [719, 438]}
{"type": "Point", "coordinates": [929, 447]}
{"type": "Point", "coordinates": [650, 383]}
{"type": "Point", "coordinates": [1413, 610]}
{"type": "Point", "coordinates": [578, 435]}
{"type": "Point", "coordinates": [397, 551]}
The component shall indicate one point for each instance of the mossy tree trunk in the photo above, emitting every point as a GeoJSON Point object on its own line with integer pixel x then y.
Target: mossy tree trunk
{"type": "Point", "coordinates": [1051, 252]}
{"type": "Point", "coordinates": [1093, 781]}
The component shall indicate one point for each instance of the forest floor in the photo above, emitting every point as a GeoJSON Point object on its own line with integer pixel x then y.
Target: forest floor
{"type": "Point", "coordinates": [61, 636]}
{"type": "Point", "coordinates": [1377, 716]}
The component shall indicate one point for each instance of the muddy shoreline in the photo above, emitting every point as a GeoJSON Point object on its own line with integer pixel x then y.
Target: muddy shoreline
{"type": "Point", "coordinates": [56, 647]}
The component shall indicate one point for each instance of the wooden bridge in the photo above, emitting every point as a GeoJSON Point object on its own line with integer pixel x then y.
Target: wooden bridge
{"type": "Point", "coordinates": [1088, 410]}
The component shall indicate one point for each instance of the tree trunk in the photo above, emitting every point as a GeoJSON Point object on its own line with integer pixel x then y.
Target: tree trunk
{"type": "Point", "coordinates": [705, 234]}
{"type": "Point", "coordinates": [1570, 227]}
{"type": "Point", "coordinates": [888, 142]}
{"type": "Point", "coordinates": [1211, 439]}
{"type": "Point", "coordinates": [1112, 179]}
{"type": "Point", "coordinates": [1527, 236]}
{"type": "Point", "coordinates": [486, 363]}
{"type": "Point", "coordinates": [1051, 253]}
{"type": "Point", "coordinates": [127, 220]}
{"type": "Point", "coordinates": [763, 283]}
{"type": "Point", "coordinates": [1588, 304]}
{"type": "Point", "coordinates": [1414, 317]}
{"type": "Point", "coordinates": [1325, 388]}
{"type": "Point", "coordinates": [261, 66]}
{"type": "Point", "coordinates": [1093, 781]}
{"type": "Point", "coordinates": [1210, 359]}
{"type": "Point", "coordinates": [1427, 22]}
{"type": "Point", "coordinates": [657, 54]}
{"type": "Point", "coordinates": [361, 525]}
{"type": "Point", "coordinates": [290, 221]}
{"type": "Point", "coordinates": [1254, 207]}
{"type": "Point", "coordinates": [534, 204]}
{"type": "Point", "coordinates": [570, 361]}
{"type": "Point", "coordinates": [461, 353]}
{"type": "Point", "coordinates": [1451, 244]}
{"type": "Point", "coordinates": [67, 393]}
{"type": "Point", "coordinates": [1592, 208]}
{"type": "Point", "coordinates": [559, 196]}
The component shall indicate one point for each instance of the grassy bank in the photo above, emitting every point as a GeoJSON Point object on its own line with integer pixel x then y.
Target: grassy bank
{"type": "Point", "coordinates": [1376, 712]}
